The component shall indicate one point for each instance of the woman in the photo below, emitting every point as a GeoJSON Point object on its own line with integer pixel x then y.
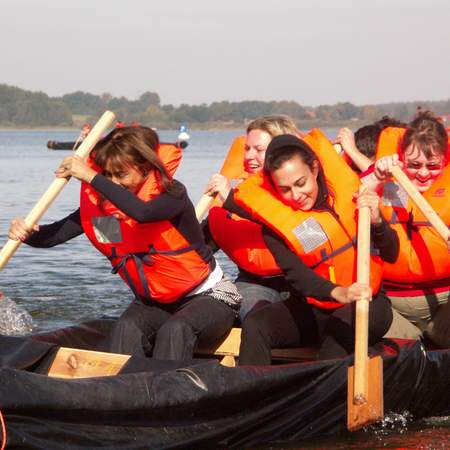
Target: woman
{"type": "Point", "coordinates": [143, 221]}
{"type": "Point", "coordinates": [259, 280]}
{"type": "Point", "coordinates": [259, 133]}
{"type": "Point", "coordinates": [418, 284]}
{"type": "Point", "coordinates": [310, 228]}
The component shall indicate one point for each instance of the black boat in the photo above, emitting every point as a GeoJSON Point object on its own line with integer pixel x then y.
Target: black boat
{"type": "Point", "coordinates": [57, 145]}
{"type": "Point", "coordinates": [199, 404]}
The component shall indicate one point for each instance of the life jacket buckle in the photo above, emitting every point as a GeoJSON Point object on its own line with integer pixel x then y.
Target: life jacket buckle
{"type": "Point", "coordinates": [410, 226]}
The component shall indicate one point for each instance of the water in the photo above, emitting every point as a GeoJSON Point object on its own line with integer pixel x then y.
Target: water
{"type": "Point", "coordinates": [72, 282]}
{"type": "Point", "coordinates": [396, 432]}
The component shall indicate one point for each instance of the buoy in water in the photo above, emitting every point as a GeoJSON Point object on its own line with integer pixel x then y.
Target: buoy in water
{"type": "Point", "coordinates": [183, 135]}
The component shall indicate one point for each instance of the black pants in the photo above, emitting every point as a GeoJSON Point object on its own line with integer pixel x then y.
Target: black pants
{"type": "Point", "coordinates": [169, 331]}
{"type": "Point", "coordinates": [295, 323]}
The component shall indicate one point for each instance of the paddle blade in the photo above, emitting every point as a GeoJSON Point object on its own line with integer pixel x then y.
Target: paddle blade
{"type": "Point", "coordinates": [362, 412]}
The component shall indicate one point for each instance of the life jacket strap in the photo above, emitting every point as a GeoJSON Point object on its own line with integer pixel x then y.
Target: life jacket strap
{"type": "Point", "coordinates": [180, 251]}
{"type": "Point", "coordinates": [140, 259]}
{"type": "Point", "coordinates": [410, 225]}
{"type": "Point", "coordinates": [334, 253]}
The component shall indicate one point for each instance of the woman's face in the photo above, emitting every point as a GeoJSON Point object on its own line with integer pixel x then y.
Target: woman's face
{"type": "Point", "coordinates": [297, 184]}
{"type": "Point", "coordinates": [422, 171]}
{"type": "Point", "coordinates": [255, 150]}
{"type": "Point", "coordinates": [129, 177]}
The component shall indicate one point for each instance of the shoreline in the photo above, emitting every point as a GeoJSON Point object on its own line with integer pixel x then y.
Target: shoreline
{"type": "Point", "coordinates": [39, 128]}
{"type": "Point", "coordinates": [305, 125]}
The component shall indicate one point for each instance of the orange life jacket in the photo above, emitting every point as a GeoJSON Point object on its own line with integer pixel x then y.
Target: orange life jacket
{"type": "Point", "coordinates": [241, 239]}
{"type": "Point", "coordinates": [325, 240]}
{"type": "Point", "coordinates": [424, 256]}
{"type": "Point", "coordinates": [233, 166]}
{"type": "Point", "coordinates": [154, 258]}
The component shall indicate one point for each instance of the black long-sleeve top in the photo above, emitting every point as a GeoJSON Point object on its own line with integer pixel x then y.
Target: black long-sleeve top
{"type": "Point", "coordinates": [230, 205]}
{"type": "Point", "coordinates": [297, 274]}
{"type": "Point", "coordinates": [175, 207]}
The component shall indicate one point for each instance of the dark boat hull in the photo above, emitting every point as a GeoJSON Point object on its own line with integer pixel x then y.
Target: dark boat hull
{"type": "Point", "coordinates": [198, 404]}
{"type": "Point", "coordinates": [56, 145]}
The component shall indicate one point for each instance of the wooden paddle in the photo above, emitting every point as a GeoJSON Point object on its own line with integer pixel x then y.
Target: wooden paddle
{"type": "Point", "coordinates": [420, 201]}
{"type": "Point", "coordinates": [79, 138]}
{"type": "Point", "coordinates": [365, 379]}
{"type": "Point", "coordinates": [57, 186]}
{"type": "Point", "coordinates": [232, 168]}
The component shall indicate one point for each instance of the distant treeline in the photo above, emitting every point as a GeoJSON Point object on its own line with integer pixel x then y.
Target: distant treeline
{"type": "Point", "coordinates": [19, 107]}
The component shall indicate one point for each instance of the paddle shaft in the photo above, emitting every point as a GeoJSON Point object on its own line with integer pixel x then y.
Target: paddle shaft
{"type": "Point", "coordinates": [229, 170]}
{"type": "Point", "coordinates": [79, 139]}
{"type": "Point", "coordinates": [57, 186]}
{"type": "Point", "coordinates": [360, 393]}
{"type": "Point", "coordinates": [431, 215]}
{"type": "Point", "coordinates": [203, 205]}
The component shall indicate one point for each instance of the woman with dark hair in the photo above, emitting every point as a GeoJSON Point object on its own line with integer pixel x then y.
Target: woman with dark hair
{"type": "Point", "coordinates": [259, 279]}
{"type": "Point", "coordinates": [305, 199]}
{"type": "Point", "coordinates": [418, 284]}
{"type": "Point", "coordinates": [142, 220]}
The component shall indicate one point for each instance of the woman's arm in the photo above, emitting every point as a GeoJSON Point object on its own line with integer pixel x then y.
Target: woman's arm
{"type": "Point", "coordinates": [385, 239]}
{"type": "Point", "coordinates": [346, 138]}
{"type": "Point", "coordinates": [57, 232]}
{"type": "Point", "coordinates": [233, 207]}
{"type": "Point", "coordinates": [383, 236]}
{"type": "Point", "coordinates": [209, 240]}
{"type": "Point", "coordinates": [303, 279]}
{"type": "Point", "coordinates": [375, 179]}
{"type": "Point", "coordinates": [163, 207]}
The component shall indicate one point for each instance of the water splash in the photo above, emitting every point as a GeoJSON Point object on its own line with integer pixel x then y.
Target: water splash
{"type": "Point", "coordinates": [392, 423]}
{"type": "Point", "coordinates": [14, 320]}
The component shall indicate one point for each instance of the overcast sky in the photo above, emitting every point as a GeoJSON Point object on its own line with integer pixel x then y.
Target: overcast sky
{"type": "Point", "coordinates": [193, 51]}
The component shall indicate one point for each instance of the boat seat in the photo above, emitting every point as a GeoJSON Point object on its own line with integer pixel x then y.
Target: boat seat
{"type": "Point", "coordinates": [228, 349]}
{"type": "Point", "coordinates": [77, 363]}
